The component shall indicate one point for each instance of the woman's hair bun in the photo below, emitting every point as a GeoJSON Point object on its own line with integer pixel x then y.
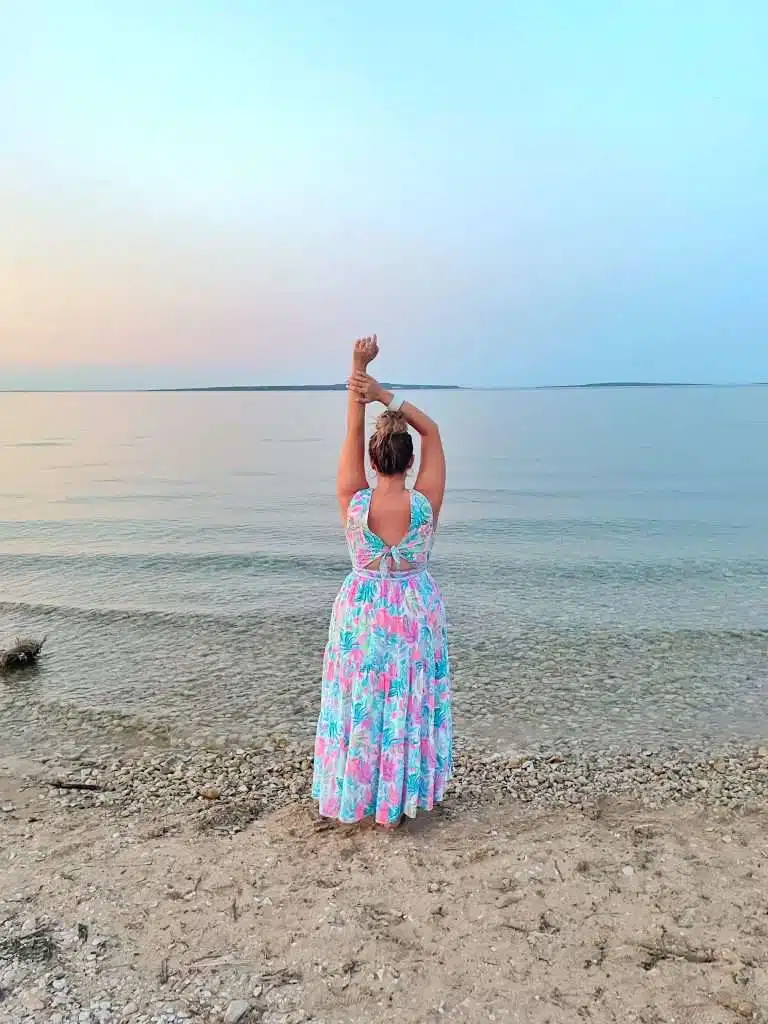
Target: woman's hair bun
{"type": "Point", "coordinates": [391, 445]}
{"type": "Point", "coordinates": [391, 422]}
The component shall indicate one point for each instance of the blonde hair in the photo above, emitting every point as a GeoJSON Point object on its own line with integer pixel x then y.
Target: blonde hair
{"type": "Point", "coordinates": [391, 445]}
{"type": "Point", "coordinates": [391, 422]}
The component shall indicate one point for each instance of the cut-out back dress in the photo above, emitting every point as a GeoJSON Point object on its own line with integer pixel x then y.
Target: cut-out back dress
{"type": "Point", "coordinates": [385, 733]}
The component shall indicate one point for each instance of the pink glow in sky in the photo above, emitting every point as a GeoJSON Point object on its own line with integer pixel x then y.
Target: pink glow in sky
{"type": "Point", "coordinates": [513, 194]}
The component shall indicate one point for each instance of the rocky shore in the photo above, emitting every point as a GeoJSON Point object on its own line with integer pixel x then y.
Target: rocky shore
{"type": "Point", "coordinates": [262, 779]}
{"type": "Point", "coordinates": [179, 883]}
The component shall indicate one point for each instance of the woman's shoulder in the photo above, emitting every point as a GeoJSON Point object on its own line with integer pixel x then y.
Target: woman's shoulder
{"type": "Point", "coordinates": [422, 509]}
{"type": "Point", "coordinates": [358, 502]}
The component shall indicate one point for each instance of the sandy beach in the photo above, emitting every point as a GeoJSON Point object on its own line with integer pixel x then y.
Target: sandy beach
{"type": "Point", "coordinates": [193, 885]}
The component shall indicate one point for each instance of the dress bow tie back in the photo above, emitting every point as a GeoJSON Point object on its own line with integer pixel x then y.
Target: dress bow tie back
{"type": "Point", "coordinates": [390, 560]}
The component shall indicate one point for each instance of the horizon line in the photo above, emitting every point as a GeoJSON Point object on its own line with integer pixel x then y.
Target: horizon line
{"type": "Point", "coordinates": [106, 389]}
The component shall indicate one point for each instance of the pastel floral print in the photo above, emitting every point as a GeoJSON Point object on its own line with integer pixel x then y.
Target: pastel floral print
{"type": "Point", "coordinates": [385, 732]}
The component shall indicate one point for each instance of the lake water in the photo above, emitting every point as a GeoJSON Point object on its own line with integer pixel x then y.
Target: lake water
{"type": "Point", "coordinates": [603, 554]}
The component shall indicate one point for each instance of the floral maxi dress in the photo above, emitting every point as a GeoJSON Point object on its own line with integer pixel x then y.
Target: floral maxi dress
{"type": "Point", "coordinates": [385, 732]}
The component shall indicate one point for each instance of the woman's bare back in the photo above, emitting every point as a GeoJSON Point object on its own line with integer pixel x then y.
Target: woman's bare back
{"type": "Point", "coordinates": [389, 518]}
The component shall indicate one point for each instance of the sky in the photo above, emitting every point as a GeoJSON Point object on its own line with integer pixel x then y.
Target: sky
{"type": "Point", "coordinates": [507, 193]}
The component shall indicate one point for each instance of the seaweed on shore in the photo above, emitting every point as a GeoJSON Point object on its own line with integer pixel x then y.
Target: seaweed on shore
{"type": "Point", "coordinates": [23, 654]}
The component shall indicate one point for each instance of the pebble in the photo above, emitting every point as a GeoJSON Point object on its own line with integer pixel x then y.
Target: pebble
{"type": "Point", "coordinates": [236, 1011]}
{"type": "Point", "coordinates": [33, 1001]}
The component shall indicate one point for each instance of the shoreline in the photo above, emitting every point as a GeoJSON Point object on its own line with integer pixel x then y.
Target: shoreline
{"type": "Point", "coordinates": [251, 783]}
{"type": "Point", "coordinates": [37, 722]}
{"type": "Point", "coordinates": [193, 885]}
{"type": "Point", "coordinates": [136, 765]}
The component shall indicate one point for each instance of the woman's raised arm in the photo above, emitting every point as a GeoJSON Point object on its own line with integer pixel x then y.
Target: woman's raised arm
{"type": "Point", "coordinates": [350, 477]}
{"type": "Point", "coordinates": [431, 479]}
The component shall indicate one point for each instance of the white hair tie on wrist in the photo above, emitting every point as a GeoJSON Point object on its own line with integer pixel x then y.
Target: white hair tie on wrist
{"type": "Point", "coordinates": [396, 404]}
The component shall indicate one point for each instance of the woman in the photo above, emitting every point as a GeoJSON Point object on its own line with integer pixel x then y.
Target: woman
{"type": "Point", "coordinates": [384, 737]}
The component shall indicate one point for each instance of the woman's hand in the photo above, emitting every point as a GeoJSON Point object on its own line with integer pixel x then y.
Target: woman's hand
{"type": "Point", "coordinates": [364, 387]}
{"type": "Point", "coordinates": [364, 352]}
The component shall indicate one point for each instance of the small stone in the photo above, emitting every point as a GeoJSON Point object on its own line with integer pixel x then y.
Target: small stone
{"type": "Point", "coordinates": [33, 1001]}
{"type": "Point", "coordinates": [744, 1008]}
{"type": "Point", "coordinates": [628, 871]}
{"type": "Point", "coordinates": [209, 793]}
{"type": "Point", "coordinates": [129, 1009]}
{"type": "Point", "coordinates": [59, 984]}
{"type": "Point", "coordinates": [29, 927]}
{"type": "Point", "coordinates": [236, 1011]}
{"type": "Point", "coordinates": [762, 751]}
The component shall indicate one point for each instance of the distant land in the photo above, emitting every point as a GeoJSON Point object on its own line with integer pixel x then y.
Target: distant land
{"type": "Point", "coordinates": [315, 387]}
{"type": "Point", "coordinates": [461, 387]}
{"type": "Point", "coordinates": [617, 384]}
{"type": "Point", "coordinates": [393, 387]}
{"type": "Point", "coordinates": [626, 384]}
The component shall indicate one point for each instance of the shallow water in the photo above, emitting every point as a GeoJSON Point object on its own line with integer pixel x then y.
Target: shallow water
{"type": "Point", "coordinates": [603, 553]}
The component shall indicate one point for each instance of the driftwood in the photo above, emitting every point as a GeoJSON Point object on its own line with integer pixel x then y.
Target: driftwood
{"type": "Point", "coordinates": [663, 949]}
{"type": "Point", "coordinates": [23, 654]}
{"type": "Point", "coordinates": [90, 787]}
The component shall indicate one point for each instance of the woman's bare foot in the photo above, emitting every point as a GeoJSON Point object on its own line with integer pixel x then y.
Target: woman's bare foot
{"type": "Point", "coordinates": [327, 824]}
{"type": "Point", "coordinates": [393, 826]}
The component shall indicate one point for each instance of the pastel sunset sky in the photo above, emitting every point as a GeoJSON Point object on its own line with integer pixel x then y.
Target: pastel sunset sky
{"type": "Point", "coordinates": [520, 193]}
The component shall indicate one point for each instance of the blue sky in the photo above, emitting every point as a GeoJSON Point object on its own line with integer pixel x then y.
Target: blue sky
{"type": "Point", "coordinates": [199, 192]}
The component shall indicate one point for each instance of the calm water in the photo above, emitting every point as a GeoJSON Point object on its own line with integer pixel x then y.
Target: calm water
{"type": "Point", "coordinates": [604, 557]}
